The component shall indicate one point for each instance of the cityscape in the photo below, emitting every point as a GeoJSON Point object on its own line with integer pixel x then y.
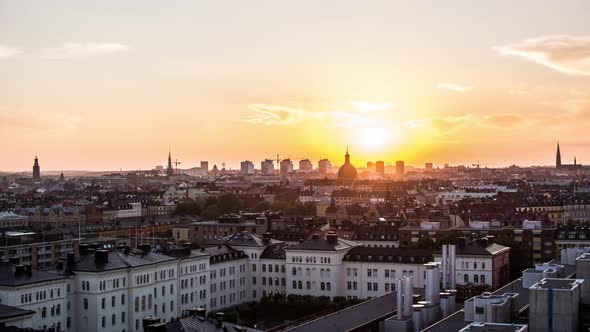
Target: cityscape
{"type": "Point", "coordinates": [268, 166]}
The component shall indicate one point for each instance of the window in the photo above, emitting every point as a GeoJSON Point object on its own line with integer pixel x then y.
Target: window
{"type": "Point", "coordinates": [103, 303]}
{"type": "Point", "coordinates": [44, 312]}
{"type": "Point", "coordinates": [294, 284]}
{"type": "Point", "coordinates": [294, 271]}
{"type": "Point", "coordinates": [466, 278]}
{"type": "Point", "coordinates": [172, 289]}
{"type": "Point", "coordinates": [308, 285]}
{"type": "Point", "coordinates": [479, 310]}
{"type": "Point", "coordinates": [123, 317]}
{"type": "Point", "coordinates": [136, 304]}
{"type": "Point", "coordinates": [114, 319]}
{"type": "Point", "coordinates": [123, 299]}
{"type": "Point", "coordinates": [85, 304]}
{"type": "Point", "coordinates": [322, 286]}
{"type": "Point", "coordinates": [482, 279]}
{"type": "Point", "coordinates": [300, 284]}
{"type": "Point", "coordinates": [112, 301]}
{"type": "Point", "coordinates": [104, 321]}
{"type": "Point", "coordinates": [476, 279]}
{"type": "Point", "coordinates": [143, 303]}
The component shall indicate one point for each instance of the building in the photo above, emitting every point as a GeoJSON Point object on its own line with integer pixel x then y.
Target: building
{"type": "Point", "coordinates": [267, 167]}
{"type": "Point", "coordinates": [347, 171]}
{"type": "Point", "coordinates": [204, 166]}
{"type": "Point", "coordinates": [380, 168]}
{"type": "Point", "coordinates": [305, 165]}
{"type": "Point", "coordinates": [428, 167]}
{"type": "Point", "coordinates": [36, 171]}
{"type": "Point", "coordinates": [169, 169]}
{"type": "Point", "coordinates": [555, 305]}
{"type": "Point", "coordinates": [286, 167]}
{"type": "Point", "coordinates": [565, 167]}
{"type": "Point", "coordinates": [11, 220]}
{"type": "Point", "coordinates": [247, 167]}
{"type": "Point", "coordinates": [324, 166]}
{"type": "Point", "coordinates": [399, 168]}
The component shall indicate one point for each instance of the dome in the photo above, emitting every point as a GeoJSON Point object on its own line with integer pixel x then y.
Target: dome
{"type": "Point", "coordinates": [347, 171]}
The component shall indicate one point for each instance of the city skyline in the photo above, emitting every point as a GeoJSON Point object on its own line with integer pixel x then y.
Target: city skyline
{"type": "Point", "coordinates": [297, 79]}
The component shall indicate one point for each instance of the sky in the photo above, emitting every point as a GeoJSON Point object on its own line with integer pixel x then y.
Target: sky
{"type": "Point", "coordinates": [108, 85]}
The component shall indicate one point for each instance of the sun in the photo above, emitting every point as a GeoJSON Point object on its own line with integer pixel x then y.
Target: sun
{"type": "Point", "coordinates": [374, 138]}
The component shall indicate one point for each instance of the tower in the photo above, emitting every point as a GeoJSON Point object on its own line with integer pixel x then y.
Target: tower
{"type": "Point", "coordinates": [558, 157]}
{"type": "Point", "coordinates": [36, 170]}
{"type": "Point", "coordinates": [169, 169]}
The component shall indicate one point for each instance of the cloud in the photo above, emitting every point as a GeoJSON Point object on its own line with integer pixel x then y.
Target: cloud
{"type": "Point", "coordinates": [449, 123]}
{"type": "Point", "coordinates": [13, 120]}
{"type": "Point", "coordinates": [72, 50]}
{"type": "Point", "coordinates": [454, 87]}
{"type": "Point", "coordinates": [565, 54]}
{"type": "Point", "coordinates": [7, 51]}
{"type": "Point", "coordinates": [283, 115]}
{"type": "Point", "coordinates": [504, 120]}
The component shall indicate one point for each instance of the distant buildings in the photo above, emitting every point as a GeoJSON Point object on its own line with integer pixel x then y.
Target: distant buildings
{"type": "Point", "coordinates": [205, 166]}
{"type": "Point", "coordinates": [305, 165]}
{"type": "Point", "coordinates": [36, 171]}
{"type": "Point", "coordinates": [267, 167]}
{"type": "Point", "coordinates": [399, 168]}
{"type": "Point", "coordinates": [286, 167]}
{"type": "Point", "coordinates": [428, 167]}
{"type": "Point", "coordinates": [324, 166]}
{"type": "Point", "coordinates": [380, 168]}
{"type": "Point", "coordinates": [247, 167]}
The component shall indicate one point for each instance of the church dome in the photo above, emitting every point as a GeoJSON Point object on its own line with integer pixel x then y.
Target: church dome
{"type": "Point", "coordinates": [347, 171]}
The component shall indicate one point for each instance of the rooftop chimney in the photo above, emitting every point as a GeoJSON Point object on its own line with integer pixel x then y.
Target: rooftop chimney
{"type": "Point", "coordinates": [101, 256]}
{"type": "Point", "coordinates": [19, 270]}
{"type": "Point", "coordinates": [84, 249]}
{"type": "Point", "coordinates": [201, 312]}
{"type": "Point", "coordinates": [219, 318]}
{"type": "Point", "coordinates": [71, 260]}
{"type": "Point", "coordinates": [267, 237]}
{"type": "Point", "coordinates": [332, 238]}
{"type": "Point", "coordinates": [145, 248]}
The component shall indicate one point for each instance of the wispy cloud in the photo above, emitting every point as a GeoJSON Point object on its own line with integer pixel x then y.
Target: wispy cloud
{"type": "Point", "coordinates": [565, 54]}
{"type": "Point", "coordinates": [283, 115]}
{"type": "Point", "coordinates": [43, 121]}
{"type": "Point", "coordinates": [7, 51]}
{"type": "Point", "coordinates": [504, 121]}
{"type": "Point", "coordinates": [454, 87]}
{"type": "Point", "coordinates": [72, 50]}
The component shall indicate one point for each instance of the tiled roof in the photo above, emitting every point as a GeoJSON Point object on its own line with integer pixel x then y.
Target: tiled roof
{"type": "Point", "coordinates": [320, 243]}
{"type": "Point", "coordinates": [12, 312]}
{"type": "Point", "coordinates": [202, 324]}
{"type": "Point", "coordinates": [8, 277]}
{"type": "Point", "coordinates": [119, 260]}
{"type": "Point", "coordinates": [274, 252]}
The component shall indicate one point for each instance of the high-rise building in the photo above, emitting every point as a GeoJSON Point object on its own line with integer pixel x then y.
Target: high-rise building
{"type": "Point", "coordinates": [247, 167]}
{"type": "Point", "coordinates": [305, 165]}
{"type": "Point", "coordinates": [380, 168]}
{"type": "Point", "coordinates": [286, 167]}
{"type": "Point", "coordinates": [267, 167]}
{"type": "Point", "coordinates": [370, 166]}
{"type": "Point", "coordinates": [169, 169]}
{"type": "Point", "coordinates": [428, 167]}
{"type": "Point", "coordinates": [324, 166]}
{"type": "Point", "coordinates": [36, 170]}
{"type": "Point", "coordinates": [205, 166]}
{"type": "Point", "coordinates": [399, 168]}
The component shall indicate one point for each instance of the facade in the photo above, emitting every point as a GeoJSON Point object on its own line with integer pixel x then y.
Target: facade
{"type": "Point", "coordinates": [205, 166]}
{"type": "Point", "coordinates": [399, 168]}
{"type": "Point", "coordinates": [305, 165]}
{"type": "Point", "coordinates": [324, 166]}
{"type": "Point", "coordinates": [267, 167]}
{"type": "Point", "coordinates": [12, 220]}
{"type": "Point", "coordinates": [380, 168]}
{"type": "Point", "coordinates": [247, 167]}
{"type": "Point", "coordinates": [286, 167]}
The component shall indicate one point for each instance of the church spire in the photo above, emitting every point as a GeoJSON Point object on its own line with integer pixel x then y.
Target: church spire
{"type": "Point", "coordinates": [169, 169]}
{"type": "Point", "coordinates": [558, 157]}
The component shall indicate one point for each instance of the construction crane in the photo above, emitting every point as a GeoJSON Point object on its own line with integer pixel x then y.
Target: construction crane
{"type": "Point", "coordinates": [478, 164]}
{"type": "Point", "coordinates": [176, 163]}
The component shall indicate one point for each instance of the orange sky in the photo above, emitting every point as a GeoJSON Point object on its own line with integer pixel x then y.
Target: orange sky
{"type": "Point", "coordinates": [109, 85]}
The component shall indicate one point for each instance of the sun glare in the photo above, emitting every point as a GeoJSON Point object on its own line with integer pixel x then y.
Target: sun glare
{"type": "Point", "coordinates": [374, 138]}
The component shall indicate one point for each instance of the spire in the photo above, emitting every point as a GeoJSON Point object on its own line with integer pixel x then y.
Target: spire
{"type": "Point", "coordinates": [575, 163]}
{"type": "Point", "coordinates": [347, 156]}
{"type": "Point", "coordinates": [169, 169]}
{"type": "Point", "coordinates": [558, 157]}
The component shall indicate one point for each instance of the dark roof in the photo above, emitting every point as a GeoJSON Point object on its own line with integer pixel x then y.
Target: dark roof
{"type": "Point", "coordinates": [119, 260]}
{"type": "Point", "coordinates": [274, 252]}
{"type": "Point", "coordinates": [242, 239]}
{"type": "Point", "coordinates": [379, 254]}
{"type": "Point", "coordinates": [12, 312]}
{"type": "Point", "coordinates": [477, 249]}
{"type": "Point", "coordinates": [320, 243]}
{"type": "Point", "coordinates": [202, 324]}
{"type": "Point", "coordinates": [9, 277]}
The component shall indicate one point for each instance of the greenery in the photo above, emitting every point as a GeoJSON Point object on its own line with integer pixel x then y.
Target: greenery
{"type": "Point", "coordinates": [188, 207]}
{"type": "Point", "coordinates": [280, 309]}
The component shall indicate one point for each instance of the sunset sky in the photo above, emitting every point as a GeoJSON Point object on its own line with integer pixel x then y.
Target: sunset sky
{"type": "Point", "coordinates": [97, 85]}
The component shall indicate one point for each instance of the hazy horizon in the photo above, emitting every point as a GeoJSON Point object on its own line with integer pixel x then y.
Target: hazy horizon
{"type": "Point", "coordinates": [109, 85]}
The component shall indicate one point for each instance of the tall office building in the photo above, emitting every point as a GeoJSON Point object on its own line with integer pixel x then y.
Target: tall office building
{"type": "Point", "coordinates": [399, 168]}
{"type": "Point", "coordinates": [324, 166]}
{"type": "Point", "coordinates": [36, 170]}
{"type": "Point", "coordinates": [305, 165]}
{"type": "Point", "coordinates": [267, 167]}
{"type": "Point", "coordinates": [380, 168]}
{"type": "Point", "coordinates": [286, 167]}
{"type": "Point", "coordinates": [205, 166]}
{"type": "Point", "coordinates": [370, 166]}
{"type": "Point", "coordinates": [247, 167]}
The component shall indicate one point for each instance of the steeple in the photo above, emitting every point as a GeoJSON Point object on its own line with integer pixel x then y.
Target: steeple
{"type": "Point", "coordinates": [169, 169]}
{"type": "Point", "coordinates": [558, 157]}
{"type": "Point", "coordinates": [36, 170]}
{"type": "Point", "coordinates": [347, 156]}
{"type": "Point", "coordinates": [575, 163]}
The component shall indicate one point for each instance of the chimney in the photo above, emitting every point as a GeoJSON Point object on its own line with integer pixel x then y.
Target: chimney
{"type": "Point", "coordinates": [417, 316]}
{"type": "Point", "coordinates": [29, 270]}
{"type": "Point", "coordinates": [71, 260]}
{"type": "Point", "coordinates": [19, 270]}
{"type": "Point", "coordinates": [157, 327]}
{"type": "Point", "coordinates": [84, 249]}
{"type": "Point", "coordinates": [452, 266]}
{"type": "Point", "coordinates": [332, 238]}
{"type": "Point", "coordinates": [400, 301]}
{"type": "Point", "coordinates": [219, 319]}
{"type": "Point", "coordinates": [267, 237]}
{"type": "Point", "coordinates": [148, 321]}
{"type": "Point", "coordinates": [452, 300]}
{"type": "Point", "coordinates": [145, 248]}
{"type": "Point", "coordinates": [200, 312]}
{"type": "Point", "coordinates": [432, 283]}
{"type": "Point", "coordinates": [444, 265]}
{"type": "Point", "coordinates": [101, 257]}
{"type": "Point", "coordinates": [408, 295]}
{"type": "Point", "coordinates": [59, 265]}
{"type": "Point", "coordinates": [444, 304]}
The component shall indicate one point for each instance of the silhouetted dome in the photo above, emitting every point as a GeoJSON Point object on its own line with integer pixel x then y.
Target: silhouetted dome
{"type": "Point", "coordinates": [347, 171]}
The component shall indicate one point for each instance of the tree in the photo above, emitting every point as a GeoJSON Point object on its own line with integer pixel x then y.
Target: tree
{"type": "Point", "coordinates": [211, 212]}
{"type": "Point", "coordinates": [228, 203]}
{"type": "Point", "coordinates": [425, 243]}
{"type": "Point", "coordinates": [189, 207]}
